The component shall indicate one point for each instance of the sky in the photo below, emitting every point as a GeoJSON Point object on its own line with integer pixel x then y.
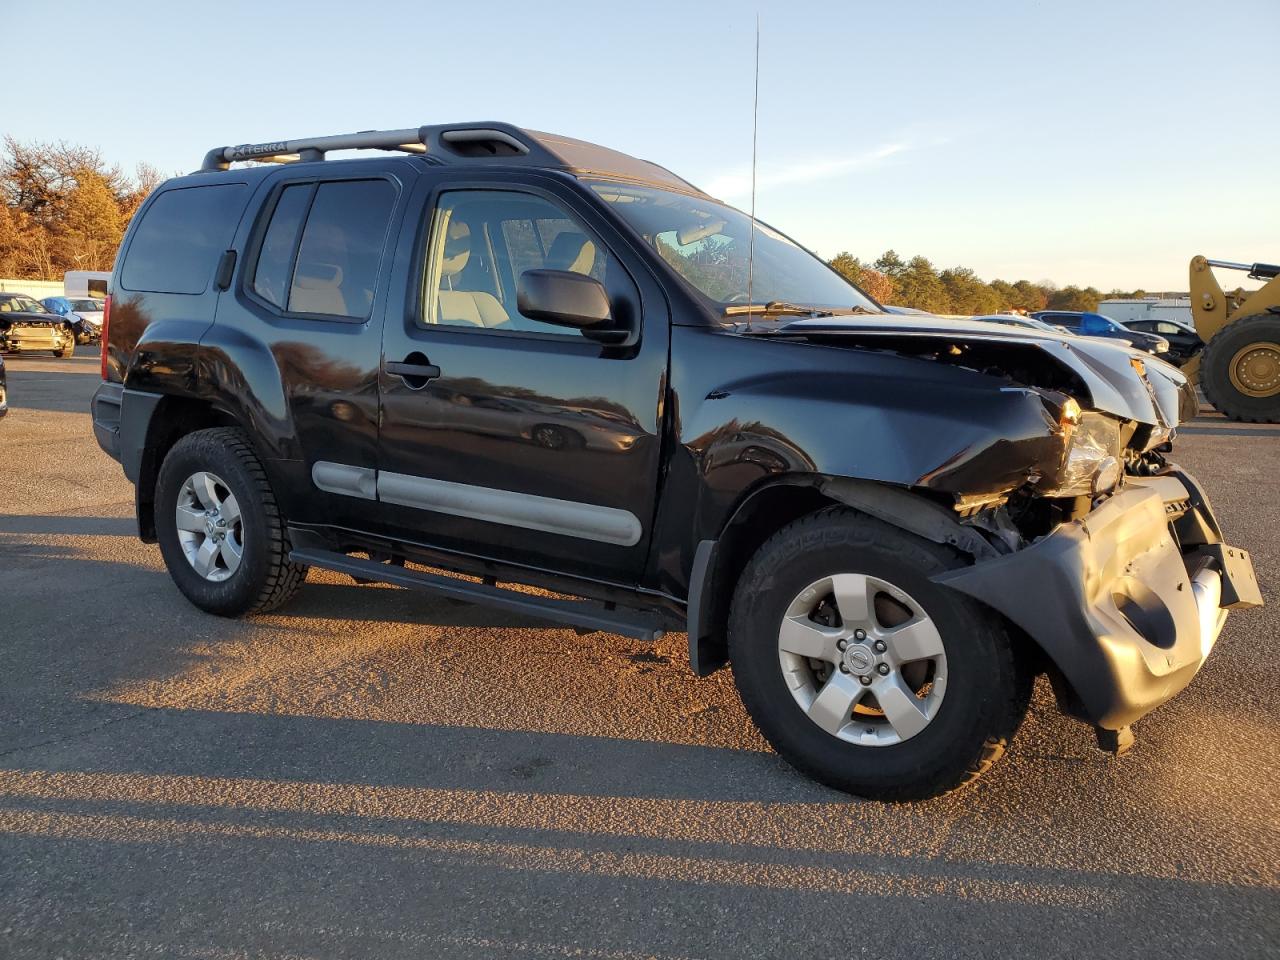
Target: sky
{"type": "Point", "coordinates": [1087, 143]}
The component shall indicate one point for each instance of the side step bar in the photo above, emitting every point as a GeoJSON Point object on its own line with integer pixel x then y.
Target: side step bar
{"type": "Point", "coordinates": [575, 613]}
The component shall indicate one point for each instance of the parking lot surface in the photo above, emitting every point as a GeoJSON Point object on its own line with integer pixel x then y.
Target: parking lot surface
{"type": "Point", "coordinates": [373, 772]}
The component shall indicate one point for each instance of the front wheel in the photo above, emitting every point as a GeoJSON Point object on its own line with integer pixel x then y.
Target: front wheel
{"type": "Point", "coordinates": [862, 672]}
{"type": "Point", "coordinates": [220, 531]}
{"type": "Point", "coordinates": [1240, 369]}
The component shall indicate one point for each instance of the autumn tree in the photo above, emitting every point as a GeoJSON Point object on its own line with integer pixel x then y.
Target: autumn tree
{"type": "Point", "coordinates": [64, 208]}
{"type": "Point", "coordinates": [871, 281]}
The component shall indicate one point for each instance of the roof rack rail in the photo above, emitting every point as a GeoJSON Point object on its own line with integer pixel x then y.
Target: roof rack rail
{"type": "Point", "coordinates": [461, 139]}
{"type": "Point", "coordinates": [488, 140]}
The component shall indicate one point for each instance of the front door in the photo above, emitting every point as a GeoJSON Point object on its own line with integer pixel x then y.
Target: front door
{"type": "Point", "coordinates": [528, 442]}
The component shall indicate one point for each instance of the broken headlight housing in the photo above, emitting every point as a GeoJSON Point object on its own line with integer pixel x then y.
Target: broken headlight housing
{"type": "Point", "coordinates": [1093, 462]}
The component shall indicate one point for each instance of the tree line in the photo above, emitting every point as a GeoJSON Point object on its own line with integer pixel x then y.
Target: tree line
{"type": "Point", "coordinates": [64, 208]}
{"type": "Point", "coordinates": [917, 283]}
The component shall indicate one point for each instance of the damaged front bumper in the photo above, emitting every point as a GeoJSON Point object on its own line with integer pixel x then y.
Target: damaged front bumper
{"type": "Point", "coordinates": [1127, 601]}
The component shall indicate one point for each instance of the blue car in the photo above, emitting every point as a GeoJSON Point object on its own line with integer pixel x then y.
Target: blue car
{"type": "Point", "coordinates": [1096, 325]}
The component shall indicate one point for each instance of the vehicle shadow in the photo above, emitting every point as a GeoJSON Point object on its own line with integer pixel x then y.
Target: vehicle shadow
{"type": "Point", "coordinates": [50, 384]}
{"type": "Point", "coordinates": [67, 525]}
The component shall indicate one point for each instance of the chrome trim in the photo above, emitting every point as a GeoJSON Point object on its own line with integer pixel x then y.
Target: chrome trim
{"type": "Point", "coordinates": [345, 479]}
{"type": "Point", "coordinates": [512, 508]}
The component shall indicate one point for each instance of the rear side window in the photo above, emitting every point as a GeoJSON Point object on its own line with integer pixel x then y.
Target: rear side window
{"type": "Point", "coordinates": [332, 269]}
{"type": "Point", "coordinates": [175, 248]}
{"type": "Point", "coordinates": [272, 275]}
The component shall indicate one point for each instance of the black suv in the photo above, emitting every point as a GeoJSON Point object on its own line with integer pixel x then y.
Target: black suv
{"type": "Point", "coordinates": [518, 358]}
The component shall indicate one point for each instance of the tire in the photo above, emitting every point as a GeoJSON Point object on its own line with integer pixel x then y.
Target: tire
{"type": "Point", "coordinates": [263, 577]}
{"type": "Point", "coordinates": [1224, 350]}
{"type": "Point", "coordinates": [985, 688]}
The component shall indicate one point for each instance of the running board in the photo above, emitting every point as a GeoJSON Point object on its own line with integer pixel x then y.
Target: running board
{"type": "Point", "coordinates": [575, 613]}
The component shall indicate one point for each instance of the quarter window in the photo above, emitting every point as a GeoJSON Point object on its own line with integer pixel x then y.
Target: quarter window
{"type": "Point", "coordinates": [275, 260]}
{"type": "Point", "coordinates": [176, 246]}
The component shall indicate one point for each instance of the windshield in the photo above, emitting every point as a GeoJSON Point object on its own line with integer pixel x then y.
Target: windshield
{"type": "Point", "coordinates": [708, 244]}
{"type": "Point", "coordinates": [21, 305]}
{"type": "Point", "coordinates": [88, 306]}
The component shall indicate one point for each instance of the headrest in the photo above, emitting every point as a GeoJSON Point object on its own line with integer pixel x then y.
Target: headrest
{"type": "Point", "coordinates": [457, 248]}
{"type": "Point", "coordinates": [572, 251]}
{"type": "Point", "coordinates": [316, 276]}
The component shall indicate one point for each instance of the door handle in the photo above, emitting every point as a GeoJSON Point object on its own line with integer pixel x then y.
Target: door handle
{"type": "Point", "coordinates": [414, 370]}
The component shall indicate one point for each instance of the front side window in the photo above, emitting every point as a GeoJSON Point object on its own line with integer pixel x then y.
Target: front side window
{"type": "Point", "coordinates": [710, 244]}
{"type": "Point", "coordinates": [176, 247]}
{"type": "Point", "coordinates": [332, 268]}
{"type": "Point", "coordinates": [483, 240]}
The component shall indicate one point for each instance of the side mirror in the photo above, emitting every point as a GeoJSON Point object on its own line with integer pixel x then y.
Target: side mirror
{"type": "Point", "coordinates": [564, 298]}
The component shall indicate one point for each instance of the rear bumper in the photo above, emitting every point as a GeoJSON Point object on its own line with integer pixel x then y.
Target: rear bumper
{"type": "Point", "coordinates": [106, 406]}
{"type": "Point", "coordinates": [1126, 613]}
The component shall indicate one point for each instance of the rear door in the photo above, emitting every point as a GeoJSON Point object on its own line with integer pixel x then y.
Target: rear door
{"type": "Point", "coordinates": [303, 325]}
{"type": "Point", "coordinates": [534, 444]}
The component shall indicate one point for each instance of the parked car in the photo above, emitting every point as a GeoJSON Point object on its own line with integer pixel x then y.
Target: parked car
{"type": "Point", "coordinates": [84, 316]}
{"type": "Point", "coordinates": [888, 524]}
{"type": "Point", "coordinates": [4, 390]}
{"type": "Point", "coordinates": [27, 326]}
{"type": "Point", "coordinates": [1019, 320]}
{"type": "Point", "coordinates": [1184, 341]}
{"type": "Point", "coordinates": [1096, 325]}
{"type": "Point", "coordinates": [90, 311]}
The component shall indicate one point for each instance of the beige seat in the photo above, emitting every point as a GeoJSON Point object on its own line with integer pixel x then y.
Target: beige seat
{"type": "Point", "coordinates": [472, 307]}
{"type": "Point", "coordinates": [571, 251]}
{"type": "Point", "coordinates": [318, 290]}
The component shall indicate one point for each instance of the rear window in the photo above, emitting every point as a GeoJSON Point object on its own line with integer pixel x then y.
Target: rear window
{"type": "Point", "coordinates": [175, 248]}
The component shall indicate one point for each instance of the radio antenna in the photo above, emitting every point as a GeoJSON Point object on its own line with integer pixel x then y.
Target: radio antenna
{"type": "Point", "coordinates": [755, 125]}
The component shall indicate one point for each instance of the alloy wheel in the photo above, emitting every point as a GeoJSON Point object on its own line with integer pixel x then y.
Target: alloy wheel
{"type": "Point", "coordinates": [862, 659]}
{"type": "Point", "coordinates": [210, 528]}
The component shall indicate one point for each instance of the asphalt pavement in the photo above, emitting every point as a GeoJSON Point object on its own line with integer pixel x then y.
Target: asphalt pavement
{"type": "Point", "coordinates": [375, 773]}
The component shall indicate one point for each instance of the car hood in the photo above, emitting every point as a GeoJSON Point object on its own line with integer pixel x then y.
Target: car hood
{"type": "Point", "coordinates": [1117, 379]}
{"type": "Point", "coordinates": [23, 316]}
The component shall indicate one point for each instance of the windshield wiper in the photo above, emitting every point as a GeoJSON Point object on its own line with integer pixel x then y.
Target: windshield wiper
{"type": "Point", "coordinates": [783, 308]}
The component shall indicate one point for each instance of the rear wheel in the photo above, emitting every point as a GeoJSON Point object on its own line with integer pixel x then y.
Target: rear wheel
{"type": "Point", "coordinates": [863, 673]}
{"type": "Point", "coordinates": [1240, 369]}
{"type": "Point", "coordinates": [220, 531]}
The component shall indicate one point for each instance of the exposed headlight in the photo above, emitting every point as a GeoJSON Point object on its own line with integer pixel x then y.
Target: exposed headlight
{"type": "Point", "coordinates": [1160, 346]}
{"type": "Point", "coordinates": [1093, 462]}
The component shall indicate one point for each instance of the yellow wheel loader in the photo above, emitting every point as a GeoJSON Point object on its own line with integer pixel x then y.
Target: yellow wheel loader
{"type": "Point", "coordinates": [1239, 368]}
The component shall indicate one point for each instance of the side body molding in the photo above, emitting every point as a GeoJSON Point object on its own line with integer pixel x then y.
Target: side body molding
{"type": "Point", "coordinates": [568, 518]}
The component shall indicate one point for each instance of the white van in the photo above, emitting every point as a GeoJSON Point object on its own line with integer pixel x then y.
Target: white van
{"type": "Point", "coordinates": [86, 283]}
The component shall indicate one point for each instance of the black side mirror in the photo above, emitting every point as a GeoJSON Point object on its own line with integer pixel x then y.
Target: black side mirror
{"type": "Point", "coordinates": [564, 298]}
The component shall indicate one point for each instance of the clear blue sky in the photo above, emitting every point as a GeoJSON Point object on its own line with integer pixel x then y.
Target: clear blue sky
{"type": "Point", "coordinates": [1078, 141]}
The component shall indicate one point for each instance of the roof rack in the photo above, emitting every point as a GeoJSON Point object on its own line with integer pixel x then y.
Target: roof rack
{"type": "Point", "coordinates": [464, 139]}
{"type": "Point", "coordinates": [457, 143]}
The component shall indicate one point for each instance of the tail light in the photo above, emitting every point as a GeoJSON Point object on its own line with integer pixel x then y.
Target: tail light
{"type": "Point", "coordinates": [106, 323]}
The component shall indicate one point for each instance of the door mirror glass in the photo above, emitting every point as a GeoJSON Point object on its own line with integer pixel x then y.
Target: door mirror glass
{"type": "Point", "coordinates": [564, 298]}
